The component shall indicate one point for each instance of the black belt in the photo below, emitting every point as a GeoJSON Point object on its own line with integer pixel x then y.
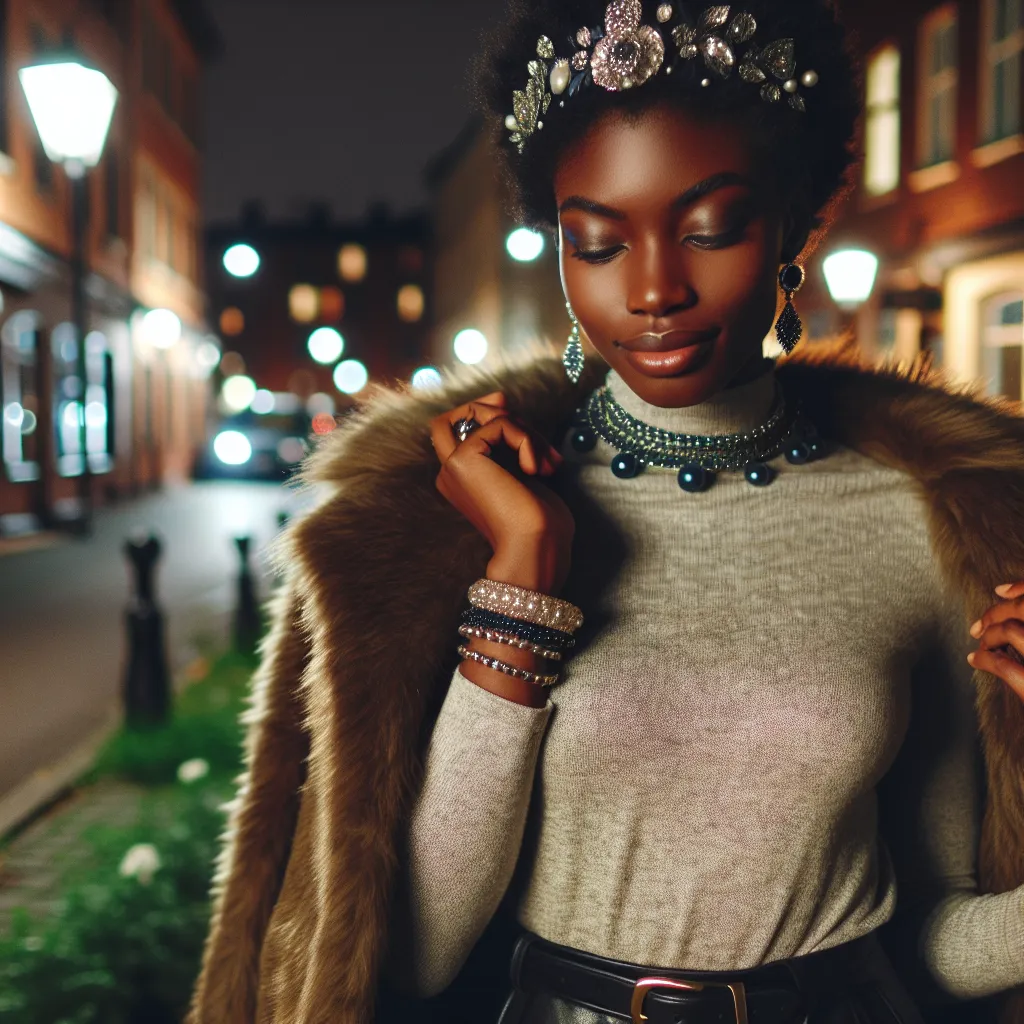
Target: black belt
{"type": "Point", "coordinates": [778, 993]}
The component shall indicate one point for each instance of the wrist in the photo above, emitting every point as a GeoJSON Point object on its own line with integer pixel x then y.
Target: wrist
{"type": "Point", "coordinates": [529, 567]}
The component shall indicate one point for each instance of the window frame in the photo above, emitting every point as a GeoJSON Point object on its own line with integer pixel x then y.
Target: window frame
{"type": "Point", "coordinates": [995, 52]}
{"type": "Point", "coordinates": [932, 84]}
{"type": "Point", "coordinates": [875, 111]}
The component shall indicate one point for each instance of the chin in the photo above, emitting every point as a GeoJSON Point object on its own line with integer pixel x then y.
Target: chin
{"type": "Point", "coordinates": [691, 386]}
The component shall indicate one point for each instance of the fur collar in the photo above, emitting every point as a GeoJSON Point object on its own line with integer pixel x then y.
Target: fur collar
{"type": "Point", "coordinates": [362, 645]}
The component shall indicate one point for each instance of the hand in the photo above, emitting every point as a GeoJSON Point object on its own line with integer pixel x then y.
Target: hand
{"type": "Point", "coordinates": [492, 478]}
{"type": "Point", "coordinates": [1000, 632]}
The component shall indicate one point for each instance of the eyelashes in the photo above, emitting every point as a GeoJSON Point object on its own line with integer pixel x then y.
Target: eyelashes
{"type": "Point", "coordinates": [703, 242]}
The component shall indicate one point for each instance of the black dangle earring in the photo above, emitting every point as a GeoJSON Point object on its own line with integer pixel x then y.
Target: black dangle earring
{"type": "Point", "coordinates": [789, 329]}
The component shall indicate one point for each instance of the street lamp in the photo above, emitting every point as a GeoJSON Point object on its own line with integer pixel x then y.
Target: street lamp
{"type": "Point", "coordinates": [850, 276]}
{"type": "Point", "coordinates": [72, 105]}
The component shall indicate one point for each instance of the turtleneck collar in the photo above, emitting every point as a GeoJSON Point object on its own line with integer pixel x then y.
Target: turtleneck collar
{"type": "Point", "coordinates": [731, 411]}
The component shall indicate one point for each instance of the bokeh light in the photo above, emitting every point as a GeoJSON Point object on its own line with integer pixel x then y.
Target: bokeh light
{"type": "Point", "coordinates": [410, 303]}
{"type": "Point", "coordinates": [238, 393]}
{"type": "Point", "coordinates": [262, 402]}
{"type": "Point", "coordinates": [241, 260]}
{"type": "Point", "coordinates": [470, 346]}
{"type": "Point", "coordinates": [232, 447]}
{"type": "Point", "coordinates": [232, 322]}
{"type": "Point", "coordinates": [232, 364]}
{"type": "Point", "coordinates": [426, 377]}
{"type": "Point", "coordinates": [161, 328]}
{"type": "Point", "coordinates": [323, 423]}
{"type": "Point", "coordinates": [351, 376]}
{"type": "Point", "coordinates": [332, 303]}
{"type": "Point", "coordinates": [326, 345]}
{"type": "Point", "coordinates": [352, 262]}
{"type": "Point", "coordinates": [303, 303]}
{"type": "Point", "coordinates": [525, 244]}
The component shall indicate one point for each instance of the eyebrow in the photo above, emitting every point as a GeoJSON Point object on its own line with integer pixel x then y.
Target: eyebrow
{"type": "Point", "coordinates": [703, 188]}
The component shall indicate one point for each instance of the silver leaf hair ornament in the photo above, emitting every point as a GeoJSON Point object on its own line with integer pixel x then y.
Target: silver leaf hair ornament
{"type": "Point", "coordinates": [624, 53]}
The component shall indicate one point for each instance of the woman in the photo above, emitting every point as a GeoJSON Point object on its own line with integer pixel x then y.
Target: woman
{"type": "Point", "coordinates": [764, 722]}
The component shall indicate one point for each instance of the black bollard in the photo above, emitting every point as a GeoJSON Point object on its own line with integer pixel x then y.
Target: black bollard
{"type": "Point", "coordinates": [147, 687]}
{"type": "Point", "coordinates": [247, 613]}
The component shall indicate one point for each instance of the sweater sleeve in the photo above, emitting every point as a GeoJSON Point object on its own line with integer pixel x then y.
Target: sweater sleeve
{"type": "Point", "coordinates": [970, 944]}
{"type": "Point", "coordinates": [465, 831]}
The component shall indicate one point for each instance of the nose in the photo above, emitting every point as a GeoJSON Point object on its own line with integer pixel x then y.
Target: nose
{"type": "Point", "coordinates": [659, 284]}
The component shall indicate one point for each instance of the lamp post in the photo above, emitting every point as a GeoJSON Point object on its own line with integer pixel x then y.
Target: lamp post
{"type": "Point", "coordinates": [72, 105]}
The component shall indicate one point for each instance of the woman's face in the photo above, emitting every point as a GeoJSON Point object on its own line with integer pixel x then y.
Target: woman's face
{"type": "Point", "coordinates": [670, 245]}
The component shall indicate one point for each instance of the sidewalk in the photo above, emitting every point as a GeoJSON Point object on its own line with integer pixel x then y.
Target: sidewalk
{"type": "Point", "coordinates": [32, 864]}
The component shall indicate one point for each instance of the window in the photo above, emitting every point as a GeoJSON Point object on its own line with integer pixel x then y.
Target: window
{"type": "Point", "coordinates": [19, 367]}
{"type": "Point", "coordinates": [938, 88]}
{"type": "Point", "coordinates": [147, 216]}
{"type": "Point", "coordinates": [1003, 41]}
{"type": "Point", "coordinates": [882, 123]}
{"type": "Point", "coordinates": [1003, 345]}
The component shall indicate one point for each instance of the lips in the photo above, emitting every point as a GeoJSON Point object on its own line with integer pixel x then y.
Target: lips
{"type": "Point", "coordinates": [670, 341]}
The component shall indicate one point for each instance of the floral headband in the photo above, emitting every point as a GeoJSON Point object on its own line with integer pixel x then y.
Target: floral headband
{"type": "Point", "coordinates": [625, 54]}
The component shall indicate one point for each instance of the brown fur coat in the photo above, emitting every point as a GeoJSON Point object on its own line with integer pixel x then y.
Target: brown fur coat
{"type": "Point", "coordinates": [362, 648]}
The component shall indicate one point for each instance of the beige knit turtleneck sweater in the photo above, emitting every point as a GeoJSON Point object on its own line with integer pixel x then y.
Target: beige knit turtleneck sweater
{"type": "Point", "coordinates": [772, 667]}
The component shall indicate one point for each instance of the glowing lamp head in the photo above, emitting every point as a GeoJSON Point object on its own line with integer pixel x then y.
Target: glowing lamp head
{"type": "Point", "coordinates": [850, 276]}
{"type": "Point", "coordinates": [161, 328]}
{"type": "Point", "coordinates": [326, 345]}
{"type": "Point", "coordinates": [241, 260]}
{"type": "Point", "coordinates": [350, 377]}
{"type": "Point", "coordinates": [72, 106]}
{"type": "Point", "coordinates": [470, 346]}
{"type": "Point", "coordinates": [524, 245]}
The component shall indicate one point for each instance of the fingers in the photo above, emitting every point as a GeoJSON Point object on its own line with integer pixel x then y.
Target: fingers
{"type": "Point", "coordinates": [1011, 590]}
{"type": "Point", "coordinates": [1007, 609]}
{"type": "Point", "coordinates": [482, 409]}
{"type": "Point", "coordinates": [502, 430]}
{"type": "Point", "coordinates": [1000, 665]}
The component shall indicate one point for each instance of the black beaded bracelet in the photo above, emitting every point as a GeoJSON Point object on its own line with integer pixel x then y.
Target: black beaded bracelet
{"type": "Point", "coordinates": [543, 635]}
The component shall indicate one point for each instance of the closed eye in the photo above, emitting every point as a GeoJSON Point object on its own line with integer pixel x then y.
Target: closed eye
{"type": "Point", "coordinates": [720, 241]}
{"type": "Point", "coordinates": [597, 255]}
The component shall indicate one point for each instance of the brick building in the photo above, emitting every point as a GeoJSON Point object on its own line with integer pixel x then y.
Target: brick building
{"type": "Point", "coordinates": [144, 408]}
{"type": "Point", "coordinates": [365, 280]}
{"type": "Point", "coordinates": [940, 195]}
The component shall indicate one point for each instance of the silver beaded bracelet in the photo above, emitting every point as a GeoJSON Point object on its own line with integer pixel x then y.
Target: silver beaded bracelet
{"type": "Point", "coordinates": [526, 605]}
{"type": "Point", "coordinates": [511, 640]}
{"type": "Point", "coordinates": [509, 670]}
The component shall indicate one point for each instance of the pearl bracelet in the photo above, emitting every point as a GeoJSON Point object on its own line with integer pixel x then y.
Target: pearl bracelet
{"type": "Point", "coordinates": [509, 670]}
{"type": "Point", "coordinates": [511, 640]}
{"type": "Point", "coordinates": [528, 605]}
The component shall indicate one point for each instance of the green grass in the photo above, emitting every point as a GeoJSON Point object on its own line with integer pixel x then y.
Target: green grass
{"type": "Point", "coordinates": [120, 950]}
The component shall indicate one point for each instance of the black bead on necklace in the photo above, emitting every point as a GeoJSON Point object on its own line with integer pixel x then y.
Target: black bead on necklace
{"type": "Point", "coordinates": [697, 458]}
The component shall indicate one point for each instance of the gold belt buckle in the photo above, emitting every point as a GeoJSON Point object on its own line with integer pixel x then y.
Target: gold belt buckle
{"type": "Point", "coordinates": [645, 985]}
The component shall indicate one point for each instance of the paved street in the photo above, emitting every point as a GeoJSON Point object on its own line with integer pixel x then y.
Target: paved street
{"type": "Point", "coordinates": [62, 611]}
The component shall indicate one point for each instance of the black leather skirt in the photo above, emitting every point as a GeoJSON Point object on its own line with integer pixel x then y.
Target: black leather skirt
{"type": "Point", "coordinates": [850, 984]}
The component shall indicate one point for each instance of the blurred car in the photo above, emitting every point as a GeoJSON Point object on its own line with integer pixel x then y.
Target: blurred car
{"type": "Point", "coordinates": [251, 446]}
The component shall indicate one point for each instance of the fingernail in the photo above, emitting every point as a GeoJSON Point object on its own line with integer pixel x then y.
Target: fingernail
{"type": "Point", "coordinates": [970, 658]}
{"type": "Point", "coordinates": [976, 629]}
{"type": "Point", "coordinates": [1003, 589]}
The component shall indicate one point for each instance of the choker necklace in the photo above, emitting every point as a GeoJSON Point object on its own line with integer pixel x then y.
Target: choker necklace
{"type": "Point", "coordinates": [697, 457]}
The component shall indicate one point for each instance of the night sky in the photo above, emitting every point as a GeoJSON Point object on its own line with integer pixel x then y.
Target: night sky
{"type": "Point", "coordinates": [342, 101]}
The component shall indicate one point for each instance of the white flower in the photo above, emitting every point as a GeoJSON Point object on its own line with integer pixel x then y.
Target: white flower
{"type": "Point", "coordinates": [190, 771]}
{"type": "Point", "coordinates": [142, 861]}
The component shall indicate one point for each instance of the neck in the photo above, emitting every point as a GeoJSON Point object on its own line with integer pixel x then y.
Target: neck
{"type": "Point", "coordinates": [745, 404]}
